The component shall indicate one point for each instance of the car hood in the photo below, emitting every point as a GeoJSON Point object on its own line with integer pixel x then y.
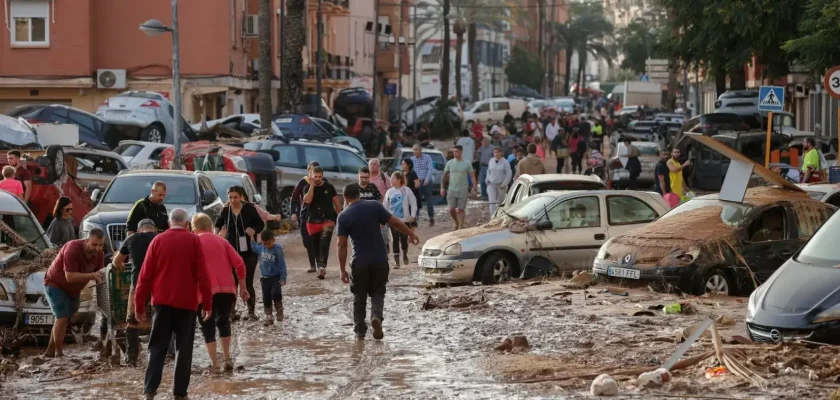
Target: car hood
{"type": "Point", "coordinates": [118, 212]}
{"type": "Point", "coordinates": [798, 288]}
{"type": "Point", "coordinates": [14, 134]}
{"type": "Point", "coordinates": [487, 235]}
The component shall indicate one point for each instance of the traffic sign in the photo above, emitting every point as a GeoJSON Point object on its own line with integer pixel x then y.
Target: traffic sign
{"type": "Point", "coordinates": [771, 98]}
{"type": "Point", "coordinates": [831, 81]}
{"type": "Point", "coordinates": [390, 89]}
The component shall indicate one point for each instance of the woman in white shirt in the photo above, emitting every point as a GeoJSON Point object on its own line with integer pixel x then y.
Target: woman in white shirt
{"type": "Point", "coordinates": [498, 176]}
{"type": "Point", "coordinates": [400, 201]}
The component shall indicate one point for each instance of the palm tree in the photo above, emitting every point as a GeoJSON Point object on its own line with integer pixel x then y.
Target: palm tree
{"type": "Point", "coordinates": [293, 60]}
{"type": "Point", "coordinates": [265, 63]}
{"type": "Point", "coordinates": [585, 33]}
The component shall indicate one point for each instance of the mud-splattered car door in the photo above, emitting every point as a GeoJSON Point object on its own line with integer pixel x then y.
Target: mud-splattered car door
{"type": "Point", "coordinates": [772, 239]}
{"type": "Point", "coordinates": [579, 231]}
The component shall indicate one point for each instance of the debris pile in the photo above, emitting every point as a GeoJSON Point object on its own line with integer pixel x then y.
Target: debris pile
{"type": "Point", "coordinates": [514, 344]}
{"type": "Point", "coordinates": [474, 299]}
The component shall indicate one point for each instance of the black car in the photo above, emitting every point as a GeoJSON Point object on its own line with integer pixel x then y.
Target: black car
{"type": "Point", "coordinates": [93, 131]}
{"type": "Point", "coordinates": [523, 91]}
{"type": "Point", "coordinates": [709, 125]}
{"type": "Point", "coordinates": [353, 103]}
{"type": "Point", "coordinates": [801, 300]}
{"type": "Point", "coordinates": [709, 167]}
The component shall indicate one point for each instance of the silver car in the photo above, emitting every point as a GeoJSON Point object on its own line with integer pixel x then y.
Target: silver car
{"type": "Point", "coordinates": [438, 163]}
{"type": "Point", "coordinates": [528, 185]}
{"type": "Point", "coordinates": [95, 169]}
{"type": "Point", "coordinates": [146, 116]}
{"type": "Point", "coordinates": [556, 231]}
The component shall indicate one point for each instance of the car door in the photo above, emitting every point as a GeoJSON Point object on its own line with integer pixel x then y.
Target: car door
{"type": "Point", "coordinates": [625, 213]}
{"type": "Point", "coordinates": [708, 168]}
{"type": "Point", "coordinates": [325, 156]}
{"type": "Point", "coordinates": [290, 163]}
{"type": "Point", "coordinates": [512, 193]}
{"type": "Point", "coordinates": [578, 232]}
{"type": "Point", "coordinates": [771, 240]}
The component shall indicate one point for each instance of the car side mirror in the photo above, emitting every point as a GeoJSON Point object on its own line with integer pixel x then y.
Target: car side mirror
{"type": "Point", "coordinates": [94, 196]}
{"type": "Point", "coordinates": [208, 197]}
{"type": "Point", "coordinates": [544, 225]}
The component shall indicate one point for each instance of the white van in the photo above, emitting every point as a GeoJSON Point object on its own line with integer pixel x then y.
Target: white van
{"type": "Point", "coordinates": [493, 109]}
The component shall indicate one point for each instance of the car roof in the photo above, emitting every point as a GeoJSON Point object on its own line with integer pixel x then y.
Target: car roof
{"type": "Point", "coordinates": [157, 172]}
{"type": "Point", "coordinates": [563, 193]}
{"type": "Point", "coordinates": [820, 187]}
{"type": "Point", "coordinates": [559, 177]}
{"type": "Point", "coordinates": [306, 142]}
{"type": "Point", "coordinates": [225, 173]}
{"type": "Point", "coordinates": [10, 203]}
{"type": "Point", "coordinates": [766, 195]}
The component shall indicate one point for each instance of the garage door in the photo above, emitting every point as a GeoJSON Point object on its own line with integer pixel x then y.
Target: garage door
{"type": "Point", "coordinates": [7, 106]}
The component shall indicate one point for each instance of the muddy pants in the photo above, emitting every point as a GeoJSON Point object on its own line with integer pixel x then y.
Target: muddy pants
{"type": "Point", "coordinates": [307, 242]}
{"type": "Point", "coordinates": [251, 260]}
{"type": "Point", "coordinates": [400, 239]}
{"type": "Point", "coordinates": [321, 245]}
{"type": "Point", "coordinates": [222, 306]}
{"type": "Point", "coordinates": [367, 280]}
{"type": "Point", "coordinates": [132, 331]}
{"type": "Point", "coordinates": [272, 292]}
{"type": "Point", "coordinates": [170, 321]}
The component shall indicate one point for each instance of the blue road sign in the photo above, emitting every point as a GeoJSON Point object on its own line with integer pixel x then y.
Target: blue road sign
{"type": "Point", "coordinates": [390, 89]}
{"type": "Point", "coordinates": [771, 98]}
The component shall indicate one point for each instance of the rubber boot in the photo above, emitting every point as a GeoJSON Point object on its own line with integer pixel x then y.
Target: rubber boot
{"type": "Point", "coordinates": [278, 306]}
{"type": "Point", "coordinates": [132, 346]}
{"type": "Point", "coordinates": [268, 320]}
{"type": "Point", "coordinates": [397, 261]}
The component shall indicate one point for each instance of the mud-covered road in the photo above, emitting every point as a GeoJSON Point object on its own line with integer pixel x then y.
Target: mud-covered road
{"type": "Point", "coordinates": [446, 353]}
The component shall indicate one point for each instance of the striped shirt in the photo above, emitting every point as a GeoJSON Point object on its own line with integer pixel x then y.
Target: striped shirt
{"type": "Point", "coordinates": [423, 167]}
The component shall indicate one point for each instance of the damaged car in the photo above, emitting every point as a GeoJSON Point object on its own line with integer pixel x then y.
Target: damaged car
{"type": "Point", "coordinates": [543, 234]}
{"type": "Point", "coordinates": [801, 300]}
{"type": "Point", "coordinates": [711, 245]}
{"type": "Point", "coordinates": [25, 256]}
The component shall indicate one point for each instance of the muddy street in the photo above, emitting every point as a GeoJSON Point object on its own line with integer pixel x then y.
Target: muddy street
{"type": "Point", "coordinates": [449, 352]}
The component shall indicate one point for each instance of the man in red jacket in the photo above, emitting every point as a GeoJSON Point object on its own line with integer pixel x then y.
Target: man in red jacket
{"type": "Point", "coordinates": [174, 274]}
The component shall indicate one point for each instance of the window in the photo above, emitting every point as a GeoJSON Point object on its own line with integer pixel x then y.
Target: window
{"type": "Point", "coordinates": [155, 155]}
{"type": "Point", "coordinates": [30, 20]}
{"type": "Point", "coordinates": [288, 156]}
{"type": "Point", "coordinates": [96, 164]}
{"type": "Point", "coordinates": [769, 226]}
{"type": "Point", "coordinates": [625, 210]}
{"type": "Point", "coordinates": [85, 123]}
{"type": "Point", "coordinates": [582, 212]}
{"type": "Point", "coordinates": [485, 107]}
{"type": "Point", "coordinates": [502, 106]}
{"type": "Point", "coordinates": [810, 219]}
{"type": "Point", "coordinates": [205, 184]}
{"type": "Point", "coordinates": [513, 193]}
{"type": "Point", "coordinates": [127, 189]}
{"type": "Point", "coordinates": [350, 162]}
{"type": "Point", "coordinates": [131, 150]}
{"type": "Point", "coordinates": [323, 155]}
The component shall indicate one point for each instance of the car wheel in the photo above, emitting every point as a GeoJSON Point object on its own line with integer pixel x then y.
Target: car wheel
{"type": "Point", "coordinates": [496, 268]}
{"type": "Point", "coordinates": [55, 154]}
{"type": "Point", "coordinates": [286, 202]}
{"type": "Point", "coordinates": [716, 282]}
{"type": "Point", "coordinates": [154, 133]}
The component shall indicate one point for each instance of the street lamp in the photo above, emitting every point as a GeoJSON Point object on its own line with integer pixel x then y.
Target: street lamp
{"type": "Point", "coordinates": [154, 28]}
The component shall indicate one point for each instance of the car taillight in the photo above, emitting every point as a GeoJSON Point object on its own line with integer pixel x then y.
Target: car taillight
{"type": "Point", "coordinates": [33, 121]}
{"type": "Point", "coordinates": [707, 126]}
{"type": "Point", "coordinates": [150, 103]}
{"type": "Point", "coordinates": [305, 121]}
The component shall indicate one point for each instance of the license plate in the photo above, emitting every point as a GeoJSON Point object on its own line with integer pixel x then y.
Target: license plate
{"type": "Point", "coordinates": [283, 121]}
{"type": "Point", "coordinates": [428, 263]}
{"type": "Point", "coordinates": [38, 319]}
{"type": "Point", "coordinates": [623, 272]}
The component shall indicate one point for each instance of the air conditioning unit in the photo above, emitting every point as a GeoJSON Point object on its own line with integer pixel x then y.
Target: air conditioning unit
{"type": "Point", "coordinates": [110, 79]}
{"type": "Point", "coordinates": [251, 26]}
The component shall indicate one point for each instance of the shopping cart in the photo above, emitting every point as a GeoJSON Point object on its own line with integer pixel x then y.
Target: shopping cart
{"type": "Point", "coordinates": [112, 301]}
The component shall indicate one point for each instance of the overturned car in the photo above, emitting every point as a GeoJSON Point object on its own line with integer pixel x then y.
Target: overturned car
{"type": "Point", "coordinates": [712, 245]}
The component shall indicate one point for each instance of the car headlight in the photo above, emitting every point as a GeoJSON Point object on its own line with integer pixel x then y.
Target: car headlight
{"type": "Point", "coordinates": [239, 163]}
{"type": "Point", "coordinates": [602, 252]}
{"type": "Point", "coordinates": [832, 314]}
{"type": "Point", "coordinates": [3, 295]}
{"type": "Point", "coordinates": [751, 304]}
{"type": "Point", "coordinates": [453, 250]}
{"type": "Point", "coordinates": [86, 295]}
{"type": "Point", "coordinates": [88, 226]}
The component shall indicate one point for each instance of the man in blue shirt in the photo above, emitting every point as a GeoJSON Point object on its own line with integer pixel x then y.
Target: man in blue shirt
{"type": "Point", "coordinates": [360, 221]}
{"type": "Point", "coordinates": [423, 166]}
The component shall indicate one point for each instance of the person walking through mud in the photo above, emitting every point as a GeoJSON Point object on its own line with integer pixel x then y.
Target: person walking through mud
{"type": "Point", "coordinates": [531, 164]}
{"type": "Point", "coordinates": [220, 257]}
{"type": "Point", "coordinates": [401, 203]}
{"type": "Point", "coordinates": [369, 191]}
{"type": "Point", "coordinates": [322, 200]}
{"type": "Point", "coordinates": [77, 263]}
{"type": "Point", "coordinates": [134, 248]}
{"type": "Point", "coordinates": [300, 211]}
{"type": "Point", "coordinates": [10, 184]}
{"type": "Point", "coordinates": [150, 207]}
{"type": "Point", "coordinates": [61, 228]}
{"type": "Point", "coordinates": [174, 273]}
{"type": "Point", "coordinates": [238, 221]}
{"type": "Point", "coordinates": [360, 222]}
{"type": "Point", "coordinates": [634, 166]}
{"type": "Point", "coordinates": [383, 183]}
{"type": "Point", "coordinates": [498, 176]}
{"type": "Point", "coordinates": [424, 167]}
{"type": "Point", "coordinates": [272, 274]}
{"type": "Point", "coordinates": [459, 183]}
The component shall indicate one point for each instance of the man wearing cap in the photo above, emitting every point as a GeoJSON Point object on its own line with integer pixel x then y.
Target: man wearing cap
{"type": "Point", "coordinates": [134, 248]}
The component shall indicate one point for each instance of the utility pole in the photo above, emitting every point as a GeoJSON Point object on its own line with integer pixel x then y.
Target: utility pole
{"type": "Point", "coordinates": [375, 53]}
{"type": "Point", "coordinates": [399, 55]}
{"type": "Point", "coordinates": [281, 94]}
{"type": "Point", "coordinates": [493, 63]}
{"type": "Point", "coordinates": [414, 68]}
{"type": "Point", "coordinates": [686, 91]}
{"type": "Point", "coordinates": [319, 58]}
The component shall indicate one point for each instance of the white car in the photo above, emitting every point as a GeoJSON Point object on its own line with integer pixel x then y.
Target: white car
{"type": "Point", "coordinates": [824, 192]}
{"type": "Point", "coordinates": [147, 116]}
{"type": "Point", "coordinates": [549, 232]}
{"type": "Point", "coordinates": [141, 155]}
{"type": "Point", "coordinates": [537, 107]}
{"type": "Point", "coordinates": [493, 109]}
{"type": "Point", "coordinates": [36, 316]}
{"type": "Point", "coordinates": [246, 123]}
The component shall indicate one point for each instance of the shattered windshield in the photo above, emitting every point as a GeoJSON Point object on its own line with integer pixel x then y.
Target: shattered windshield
{"type": "Point", "coordinates": [531, 207]}
{"type": "Point", "coordinates": [24, 226]}
{"type": "Point", "coordinates": [731, 213]}
{"type": "Point", "coordinates": [820, 249]}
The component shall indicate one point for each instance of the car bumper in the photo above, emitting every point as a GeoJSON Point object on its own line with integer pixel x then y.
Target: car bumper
{"type": "Point", "coordinates": [8, 316]}
{"type": "Point", "coordinates": [669, 274]}
{"type": "Point", "coordinates": [822, 333]}
{"type": "Point", "coordinates": [448, 269]}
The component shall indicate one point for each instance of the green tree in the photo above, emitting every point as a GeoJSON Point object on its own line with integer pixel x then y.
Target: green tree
{"type": "Point", "coordinates": [586, 33]}
{"type": "Point", "coordinates": [638, 41]}
{"type": "Point", "coordinates": [524, 68]}
{"type": "Point", "coordinates": [817, 47]}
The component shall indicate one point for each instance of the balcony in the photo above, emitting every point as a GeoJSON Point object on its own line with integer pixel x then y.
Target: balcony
{"type": "Point", "coordinates": [331, 7]}
{"type": "Point", "coordinates": [387, 61]}
{"type": "Point", "coordinates": [336, 72]}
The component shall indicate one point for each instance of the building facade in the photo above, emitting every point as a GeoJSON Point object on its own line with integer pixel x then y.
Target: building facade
{"type": "Point", "coordinates": [525, 32]}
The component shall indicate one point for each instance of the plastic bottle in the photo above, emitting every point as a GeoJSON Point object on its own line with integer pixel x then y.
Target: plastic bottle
{"type": "Point", "coordinates": [654, 378]}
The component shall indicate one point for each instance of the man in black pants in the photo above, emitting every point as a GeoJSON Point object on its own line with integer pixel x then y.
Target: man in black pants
{"type": "Point", "coordinates": [324, 207]}
{"type": "Point", "coordinates": [300, 212]}
{"type": "Point", "coordinates": [360, 222]}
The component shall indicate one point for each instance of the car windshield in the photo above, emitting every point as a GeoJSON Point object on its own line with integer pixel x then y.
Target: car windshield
{"type": "Point", "coordinates": [25, 226]}
{"type": "Point", "coordinates": [223, 182]}
{"type": "Point", "coordinates": [129, 189]}
{"type": "Point", "coordinates": [530, 207]}
{"type": "Point", "coordinates": [131, 150]}
{"type": "Point", "coordinates": [820, 250]}
{"type": "Point", "coordinates": [731, 213]}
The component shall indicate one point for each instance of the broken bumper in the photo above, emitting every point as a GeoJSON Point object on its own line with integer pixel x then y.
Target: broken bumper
{"type": "Point", "coordinates": [669, 274]}
{"type": "Point", "coordinates": [448, 269]}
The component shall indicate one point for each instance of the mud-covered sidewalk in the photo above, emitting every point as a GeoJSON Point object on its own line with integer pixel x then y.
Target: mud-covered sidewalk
{"type": "Point", "coordinates": [452, 352]}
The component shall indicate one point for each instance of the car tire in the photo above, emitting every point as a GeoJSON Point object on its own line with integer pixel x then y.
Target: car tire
{"type": "Point", "coordinates": [495, 268]}
{"type": "Point", "coordinates": [55, 154]}
{"type": "Point", "coordinates": [286, 202]}
{"type": "Point", "coordinates": [154, 133]}
{"type": "Point", "coordinates": [716, 281]}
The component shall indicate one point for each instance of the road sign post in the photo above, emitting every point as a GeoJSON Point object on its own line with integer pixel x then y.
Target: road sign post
{"type": "Point", "coordinates": [831, 82]}
{"type": "Point", "coordinates": [770, 99]}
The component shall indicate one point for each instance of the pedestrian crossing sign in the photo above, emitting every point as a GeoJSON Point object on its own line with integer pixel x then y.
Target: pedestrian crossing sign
{"type": "Point", "coordinates": [771, 98]}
